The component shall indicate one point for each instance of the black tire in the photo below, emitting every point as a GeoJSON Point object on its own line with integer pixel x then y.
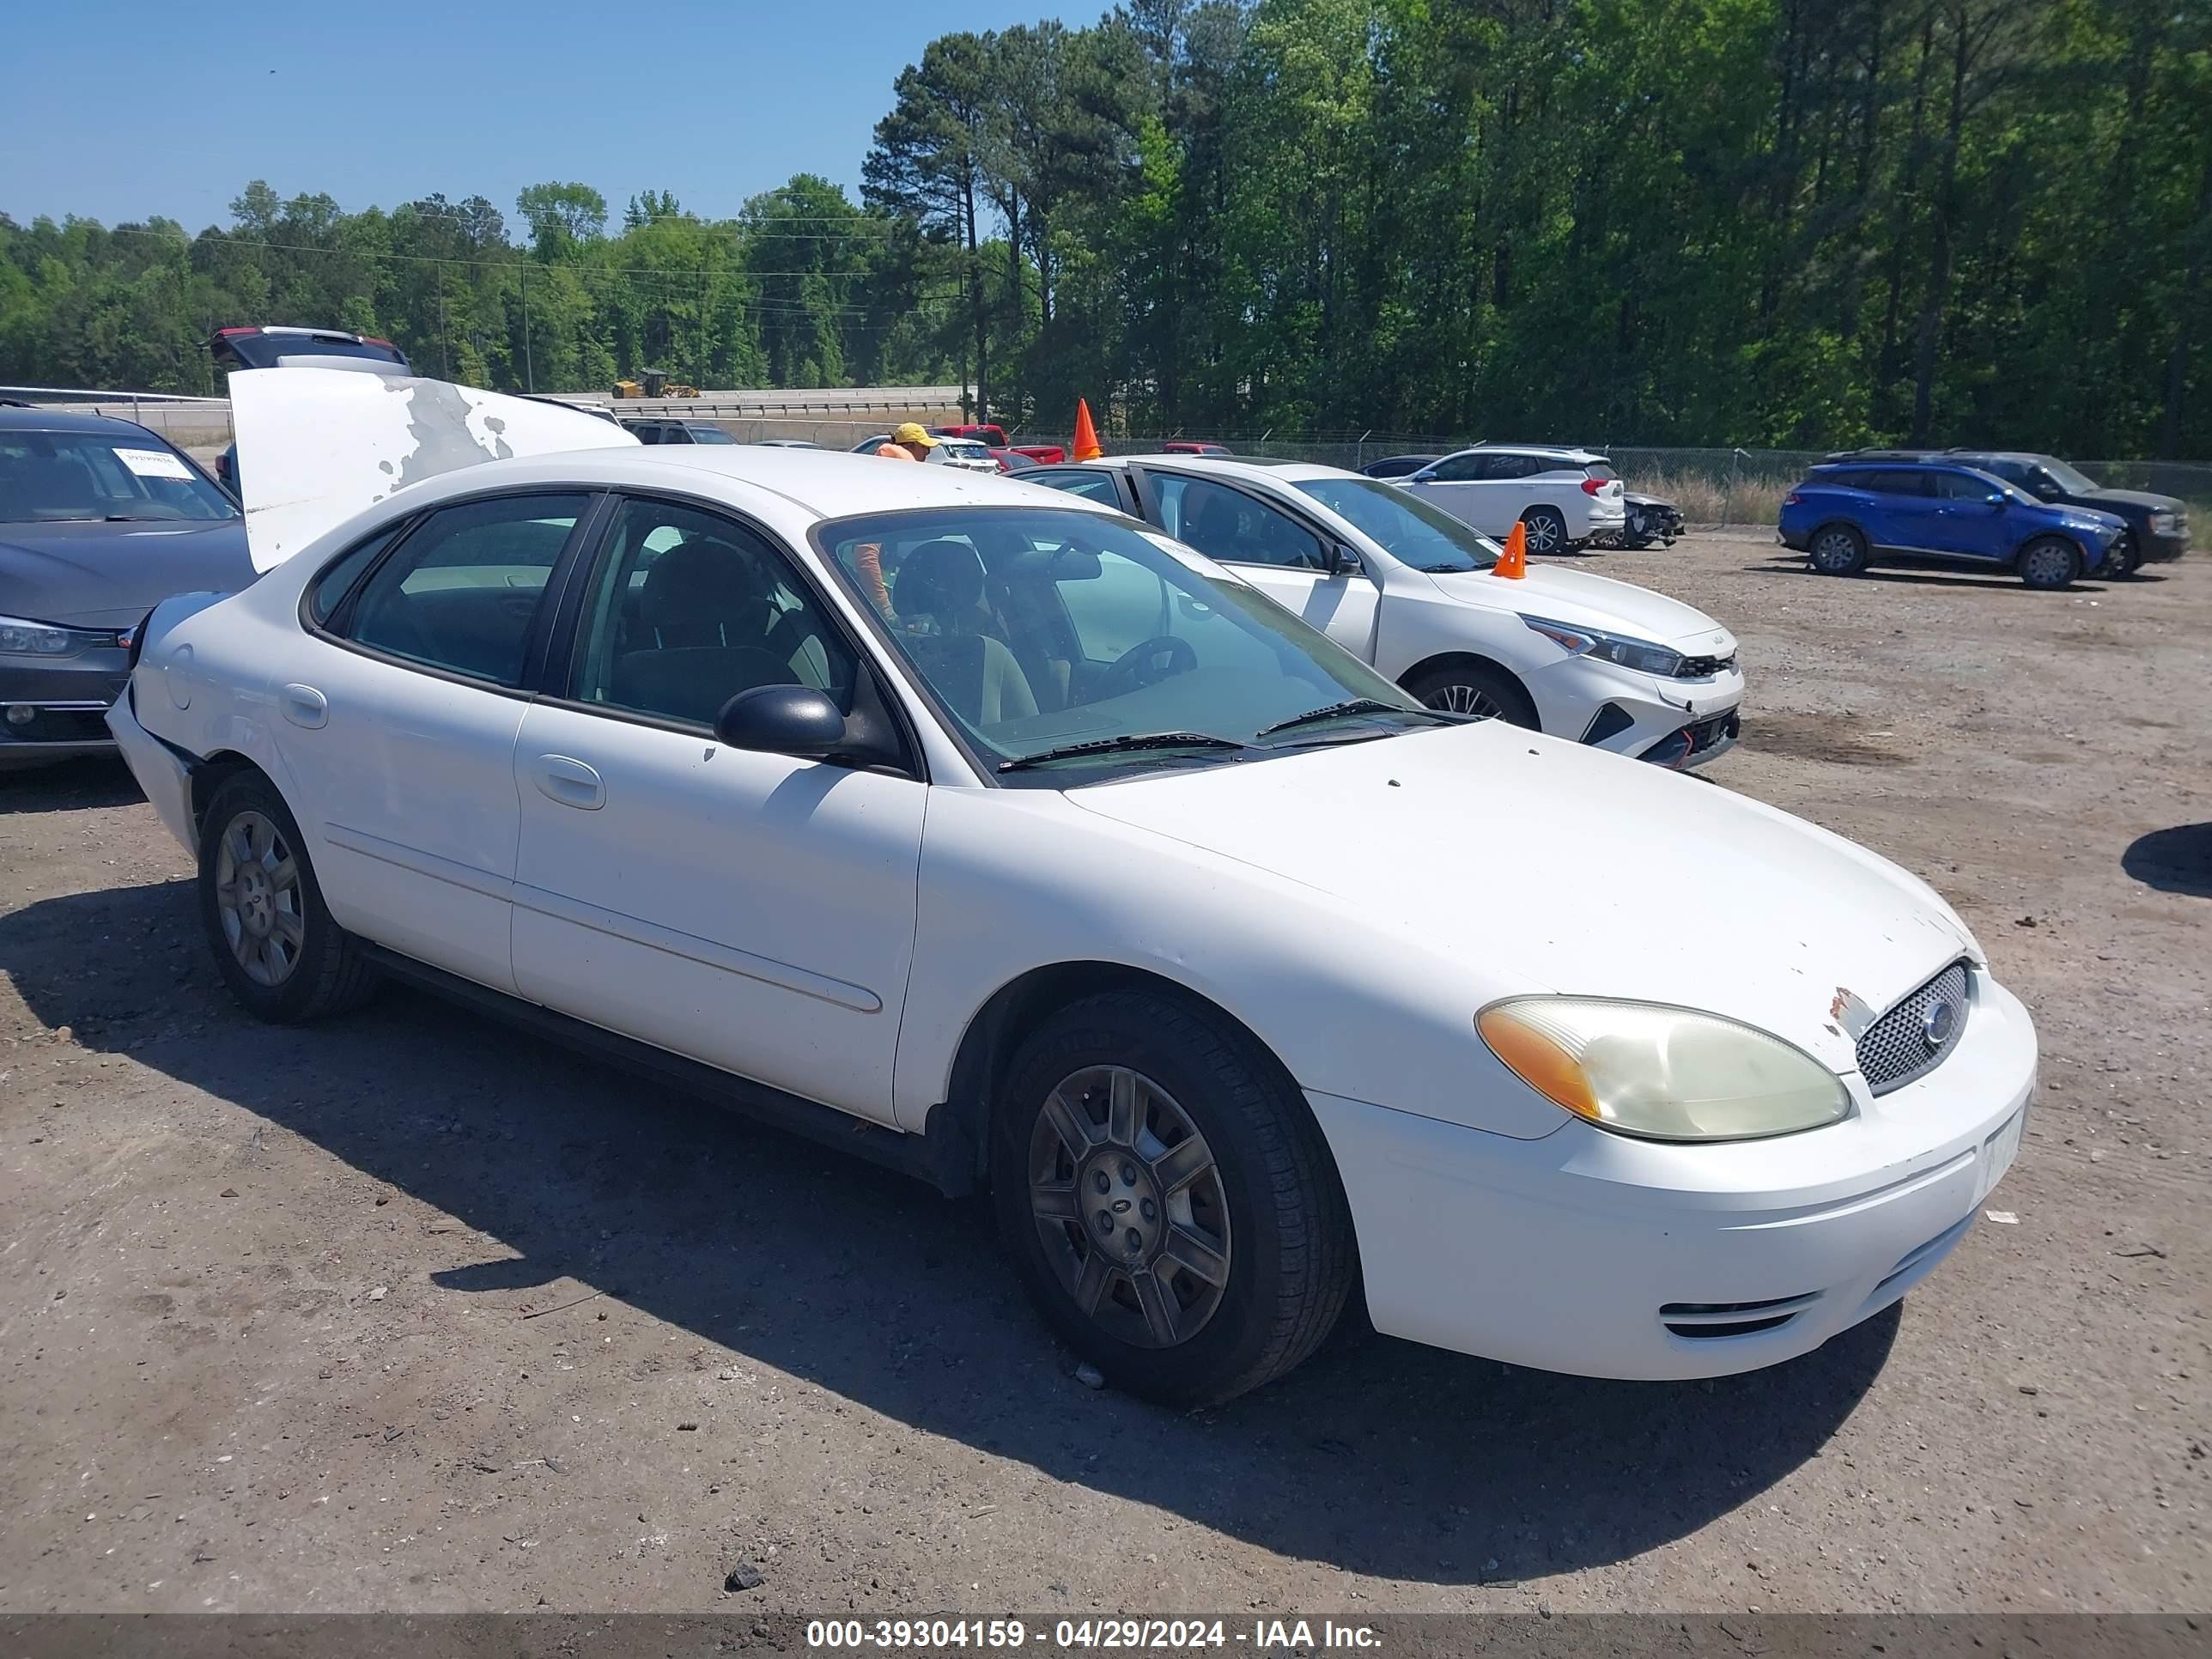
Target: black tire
{"type": "Point", "coordinates": [1476, 687]}
{"type": "Point", "coordinates": [1287, 1260]}
{"type": "Point", "coordinates": [1836, 549]}
{"type": "Point", "coordinates": [328, 969]}
{"type": "Point", "coordinates": [2122, 559]}
{"type": "Point", "coordinates": [2049, 563]}
{"type": "Point", "coordinates": [1547, 530]}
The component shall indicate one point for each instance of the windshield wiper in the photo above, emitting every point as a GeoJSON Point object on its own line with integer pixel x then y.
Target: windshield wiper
{"type": "Point", "coordinates": [1127, 743]}
{"type": "Point", "coordinates": [1354, 706]}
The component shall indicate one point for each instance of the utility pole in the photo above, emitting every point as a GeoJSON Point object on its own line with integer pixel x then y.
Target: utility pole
{"type": "Point", "coordinates": [528, 368]}
{"type": "Point", "coordinates": [445, 346]}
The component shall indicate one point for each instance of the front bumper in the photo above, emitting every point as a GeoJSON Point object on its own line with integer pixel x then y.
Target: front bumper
{"type": "Point", "coordinates": [64, 698]}
{"type": "Point", "coordinates": [2162, 549]}
{"type": "Point", "coordinates": [1593, 1254]}
{"type": "Point", "coordinates": [1632, 713]}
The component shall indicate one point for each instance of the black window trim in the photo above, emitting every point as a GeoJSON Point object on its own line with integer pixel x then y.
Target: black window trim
{"type": "Point", "coordinates": [1156, 520]}
{"type": "Point", "coordinates": [565, 640]}
{"type": "Point", "coordinates": [534, 647]}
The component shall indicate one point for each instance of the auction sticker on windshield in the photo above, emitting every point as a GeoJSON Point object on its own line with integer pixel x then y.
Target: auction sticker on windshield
{"type": "Point", "coordinates": [154, 463]}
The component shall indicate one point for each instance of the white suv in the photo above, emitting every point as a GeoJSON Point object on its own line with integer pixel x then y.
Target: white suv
{"type": "Point", "coordinates": [1408, 586]}
{"type": "Point", "coordinates": [1564, 497]}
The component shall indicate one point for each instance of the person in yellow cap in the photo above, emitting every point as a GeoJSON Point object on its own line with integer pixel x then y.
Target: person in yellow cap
{"type": "Point", "coordinates": [909, 443]}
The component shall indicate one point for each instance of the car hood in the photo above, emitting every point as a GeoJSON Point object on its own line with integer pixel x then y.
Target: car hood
{"type": "Point", "coordinates": [1576, 596]}
{"type": "Point", "coordinates": [97, 574]}
{"type": "Point", "coordinates": [2108, 498]}
{"type": "Point", "coordinates": [1568, 869]}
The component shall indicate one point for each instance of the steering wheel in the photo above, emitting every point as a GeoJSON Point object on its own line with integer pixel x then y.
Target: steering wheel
{"type": "Point", "coordinates": [1147, 663]}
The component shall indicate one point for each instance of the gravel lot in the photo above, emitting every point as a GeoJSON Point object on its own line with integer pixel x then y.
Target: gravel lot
{"type": "Point", "coordinates": [409, 1312]}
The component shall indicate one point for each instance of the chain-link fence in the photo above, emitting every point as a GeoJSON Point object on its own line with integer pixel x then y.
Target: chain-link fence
{"type": "Point", "coordinates": [1714, 487]}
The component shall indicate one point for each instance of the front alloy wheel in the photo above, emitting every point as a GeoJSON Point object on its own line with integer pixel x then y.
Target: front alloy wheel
{"type": "Point", "coordinates": [1167, 1197]}
{"type": "Point", "coordinates": [1129, 1207]}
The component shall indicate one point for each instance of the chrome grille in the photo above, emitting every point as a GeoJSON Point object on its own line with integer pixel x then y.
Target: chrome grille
{"type": "Point", "coordinates": [1703, 668]}
{"type": "Point", "coordinates": [1905, 1043]}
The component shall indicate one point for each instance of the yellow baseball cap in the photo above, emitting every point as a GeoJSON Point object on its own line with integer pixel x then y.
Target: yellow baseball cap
{"type": "Point", "coordinates": [911, 432]}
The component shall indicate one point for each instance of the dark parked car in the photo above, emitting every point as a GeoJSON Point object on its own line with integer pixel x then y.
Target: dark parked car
{"type": "Point", "coordinates": [262, 345]}
{"type": "Point", "coordinates": [678, 432]}
{"type": "Point", "coordinates": [1398, 466]}
{"type": "Point", "coordinates": [99, 522]}
{"type": "Point", "coordinates": [2158, 525]}
{"type": "Point", "coordinates": [1651, 518]}
{"type": "Point", "coordinates": [1844, 517]}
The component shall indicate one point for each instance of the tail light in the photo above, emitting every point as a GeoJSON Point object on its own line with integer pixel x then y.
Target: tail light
{"type": "Point", "coordinates": [222, 332]}
{"type": "Point", "coordinates": [1791, 499]}
{"type": "Point", "coordinates": [1593, 486]}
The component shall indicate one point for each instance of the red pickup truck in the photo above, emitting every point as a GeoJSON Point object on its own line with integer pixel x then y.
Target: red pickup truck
{"type": "Point", "coordinates": [993, 436]}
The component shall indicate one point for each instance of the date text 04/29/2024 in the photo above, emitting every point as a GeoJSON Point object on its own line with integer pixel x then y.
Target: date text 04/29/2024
{"type": "Point", "coordinates": [1147, 1635]}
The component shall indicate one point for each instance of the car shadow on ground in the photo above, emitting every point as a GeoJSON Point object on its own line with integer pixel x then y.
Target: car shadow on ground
{"type": "Point", "coordinates": [1793, 564]}
{"type": "Point", "coordinates": [69, 786]}
{"type": "Point", "coordinates": [2177, 859]}
{"type": "Point", "coordinates": [1379, 1457]}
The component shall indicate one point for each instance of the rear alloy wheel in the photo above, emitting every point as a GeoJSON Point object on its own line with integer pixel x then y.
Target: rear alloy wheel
{"type": "Point", "coordinates": [2049, 561]}
{"type": "Point", "coordinates": [1476, 689]}
{"type": "Point", "coordinates": [274, 943]}
{"type": "Point", "coordinates": [1167, 1199]}
{"type": "Point", "coordinates": [1546, 530]}
{"type": "Point", "coordinates": [1838, 549]}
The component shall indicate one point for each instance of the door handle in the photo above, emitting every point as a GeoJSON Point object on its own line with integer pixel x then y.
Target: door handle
{"type": "Point", "coordinates": [570, 782]}
{"type": "Point", "coordinates": [305, 706]}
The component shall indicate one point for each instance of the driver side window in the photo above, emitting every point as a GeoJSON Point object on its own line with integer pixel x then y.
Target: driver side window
{"type": "Point", "coordinates": [688, 609]}
{"type": "Point", "coordinates": [1233, 527]}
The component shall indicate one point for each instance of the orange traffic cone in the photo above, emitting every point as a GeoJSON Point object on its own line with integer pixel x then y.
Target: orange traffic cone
{"type": "Point", "coordinates": [1515, 563]}
{"type": "Point", "coordinates": [1087, 446]}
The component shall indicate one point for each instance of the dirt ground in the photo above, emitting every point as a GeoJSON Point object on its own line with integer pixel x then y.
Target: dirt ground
{"type": "Point", "coordinates": [408, 1312]}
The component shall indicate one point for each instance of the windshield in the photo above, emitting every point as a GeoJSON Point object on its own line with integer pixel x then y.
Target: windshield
{"type": "Point", "coordinates": [57, 476]}
{"type": "Point", "coordinates": [1409, 528]}
{"type": "Point", "coordinates": [1039, 629]}
{"type": "Point", "coordinates": [709, 435]}
{"type": "Point", "coordinates": [964, 449]}
{"type": "Point", "coordinates": [2071, 479]}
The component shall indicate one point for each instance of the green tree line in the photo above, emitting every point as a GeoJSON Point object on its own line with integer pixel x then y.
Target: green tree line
{"type": "Point", "coordinates": [1783, 224]}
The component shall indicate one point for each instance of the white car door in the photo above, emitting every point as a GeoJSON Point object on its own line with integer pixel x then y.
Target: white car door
{"type": "Point", "coordinates": [1467, 487]}
{"type": "Point", "coordinates": [750, 910]}
{"type": "Point", "coordinates": [1278, 554]}
{"type": "Point", "coordinates": [397, 719]}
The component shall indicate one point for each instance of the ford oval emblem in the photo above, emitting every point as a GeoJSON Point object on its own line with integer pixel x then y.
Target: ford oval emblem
{"type": "Point", "coordinates": [1937, 1025]}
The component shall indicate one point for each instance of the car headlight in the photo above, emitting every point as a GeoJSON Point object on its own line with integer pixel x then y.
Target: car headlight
{"type": "Point", "coordinates": [1640, 654]}
{"type": "Point", "coordinates": [19, 638]}
{"type": "Point", "coordinates": [1643, 1068]}
{"type": "Point", "coordinates": [2164, 523]}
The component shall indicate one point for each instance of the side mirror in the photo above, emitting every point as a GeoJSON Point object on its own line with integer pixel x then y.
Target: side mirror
{"type": "Point", "coordinates": [1996, 498]}
{"type": "Point", "coordinates": [1345, 561]}
{"type": "Point", "coordinates": [801, 722]}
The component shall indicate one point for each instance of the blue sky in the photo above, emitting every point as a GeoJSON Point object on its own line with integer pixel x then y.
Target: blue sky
{"type": "Point", "coordinates": [120, 109]}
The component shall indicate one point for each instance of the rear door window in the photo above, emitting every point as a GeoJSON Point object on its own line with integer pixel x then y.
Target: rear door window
{"type": "Point", "coordinates": [1898, 484]}
{"type": "Point", "coordinates": [462, 592]}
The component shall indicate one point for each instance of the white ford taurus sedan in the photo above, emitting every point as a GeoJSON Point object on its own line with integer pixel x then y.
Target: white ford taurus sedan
{"type": "Point", "coordinates": [1000, 838]}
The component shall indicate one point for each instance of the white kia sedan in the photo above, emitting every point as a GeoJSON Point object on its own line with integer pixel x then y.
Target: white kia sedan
{"type": "Point", "coordinates": [1410, 588]}
{"type": "Point", "coordinates": [1000, 838]}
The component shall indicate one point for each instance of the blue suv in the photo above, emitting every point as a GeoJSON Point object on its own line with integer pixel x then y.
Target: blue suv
{"type": "Point", "coordinates": [1844, 518]}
